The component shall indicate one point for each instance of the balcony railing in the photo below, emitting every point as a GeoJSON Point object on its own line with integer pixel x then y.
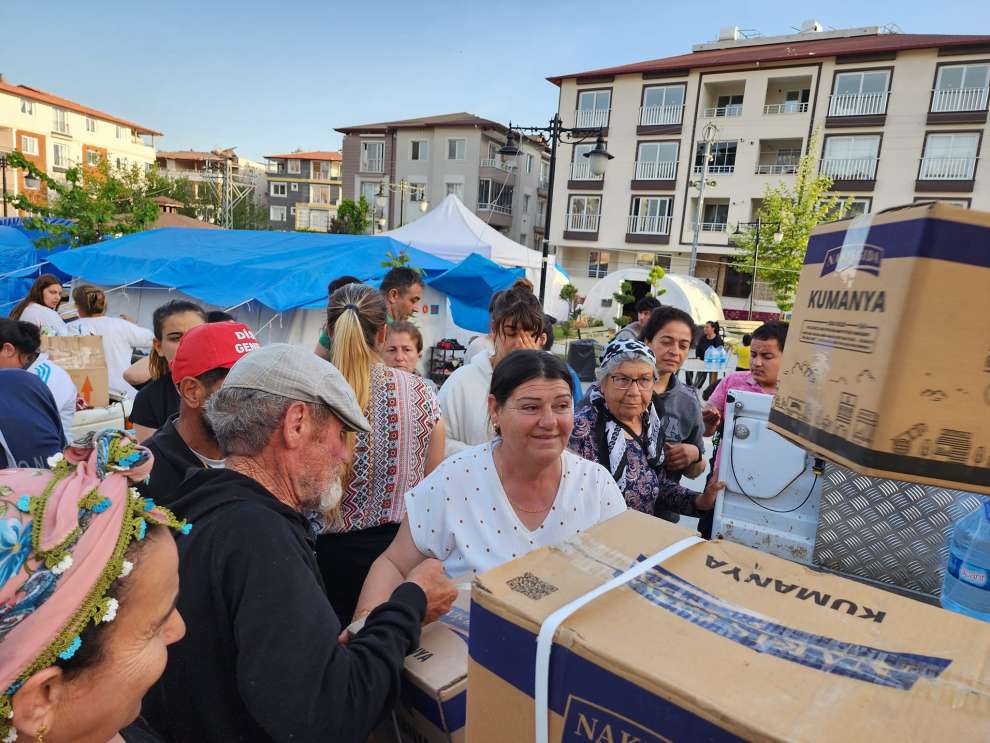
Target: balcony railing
{"type": "Point", "coordinates": [581, 171]}
{"type": "Point", "coordinates": [718, 112]}
{"type": "Point", "coordinates": [850, 169]}
{"type": "Point", "coordinates": [583, 222]}
{"type": "Point", "coordinates": [497, 208]}
{"type": "Point", "coordinates": [724, 169]}
{"type": "Point", "coordinates": [496, 163]}
{"type": "Point", "coordinates": [970, 99]}
{"type": "Point", "coordinates": [788, 107]}
{"type": "Point", "coordinates": [644, 225]}
{"type": "Point", "coordinates": [591, 118]}
{"type": "Point", "coordinates": [776, 169]}
{"type": "Point", "coordinates": [947, 168]}
{"type": "Point", "coordinates": [712, 226]}
{"type": "Point", "coordinates": [543, 184]}
{"type": "Point", "coordinates": [863, 104]}
{"type": "Point", "coordinates": [323, 175]}
{"type": "Point", "coordinates": [376, 165]}
{"type": "Point", "coordinates": [62, 127]}
{"type": "Point", "coordinates": [652, 170]}
{"type": "Point", "coordinates": [660, 115]}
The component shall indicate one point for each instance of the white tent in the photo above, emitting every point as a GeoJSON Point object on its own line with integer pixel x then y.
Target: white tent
{"type": "Point", "coordinates": [452, 231]}
{"type": "Point", "coordinates": [690, 294]}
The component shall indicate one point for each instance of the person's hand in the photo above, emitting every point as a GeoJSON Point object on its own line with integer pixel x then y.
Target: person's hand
{"type": "Point", "coordinates": [711, 418]}
{"type": "Point", "coordinates": [706, 501]}
{"type": "Point", "coordinates": [528, 342]}
{"type": "Point", "coordinates": [440, 591]}
{"type": "Point", "coordinates": [678, 457]}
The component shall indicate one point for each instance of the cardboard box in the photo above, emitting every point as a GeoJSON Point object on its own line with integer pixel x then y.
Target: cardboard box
{"type": "Point", "coordinates": [82, 357]}
{"type": "Point", "coordinates": [719, 643]}
{"type": "Point", "coordinates": [887, 365]}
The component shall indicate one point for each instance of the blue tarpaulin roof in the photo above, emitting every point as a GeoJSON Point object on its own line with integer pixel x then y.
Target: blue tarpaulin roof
{"type": "Point", "coordinates": [470, 285]}
{"type": "Point", "coordinates": [20, 261]}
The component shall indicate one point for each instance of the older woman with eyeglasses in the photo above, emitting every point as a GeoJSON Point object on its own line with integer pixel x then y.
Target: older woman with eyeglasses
{"type": "Point", "coordinates": [621, 429]}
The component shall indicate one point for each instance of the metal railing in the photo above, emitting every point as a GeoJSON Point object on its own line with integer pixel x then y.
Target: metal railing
{"type": "Point", "coordinates": [323, 175]}
{"type": "Point", "coordinates": [724, 169]}
{"type": "Point", "coordinates": [581, 170]}
{"type": "Point", "coordinates": [969, 99]}
{"type": "Point", "coordinates": [645, 225]}
{"type": "Point", "coordinates": [62, 127]}
{"type": "Point", "coordinates": [776, 169]}
{"type": "Point", "coordinates": [583, 222]}
{"type": "Point", "coordinates": [495, 163]}
{"type": "Point", "coordinates": [788, 107]}
{"type": "Point", "coordinates": [863, 104]}
{"type": "Point", "coordinates": [543, 184]}
{"type": "Point", "coordinates": [653, 170]}
{"type": "Point", "coordinates": [497, 208]}
{"type": "Point", "coordinates": [850, 169]}
{"type": "Point", "coordinates": [591, 118]}
{"type": "Point", "coordinates": [369, 165]}
{"type": "Point", "coordinates": [712, 226]}
{"type": "Point", "coordinates": [947, 168]}
{"type": "Point", "coordinates": [718, 112]}
{"type": "Point", "coordinates": [660, 115]}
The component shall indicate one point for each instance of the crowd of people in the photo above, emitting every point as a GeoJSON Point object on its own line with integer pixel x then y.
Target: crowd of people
{"type": "Point", "coordinates": [323, 499]}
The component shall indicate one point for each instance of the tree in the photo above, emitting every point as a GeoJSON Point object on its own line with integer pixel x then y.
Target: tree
{"type": "Point", "coordinates": [569, 293]}
{"type": "Point", "coordinates": [101, 201]}
{"type": "Point", "coordinates": [623, 297]}
{"type": "Point", "coordinates": [353, 218]}
{"type": "Point", "coordinates": [656, 276]}
{"type": "Point", "coordinates": [794, 210]}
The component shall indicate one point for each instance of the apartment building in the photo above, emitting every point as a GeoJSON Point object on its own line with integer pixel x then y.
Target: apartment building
{"type": "Point", "coordinates": [303, 190]}
{"type": "Point", "coordinates": [448, 154]}
{"type": "Point", "coordinates": [203, 169]}
{"type": "Point", "coordinates": [56, 134]}
{"type": "Point", "coordinates": [900, 117]}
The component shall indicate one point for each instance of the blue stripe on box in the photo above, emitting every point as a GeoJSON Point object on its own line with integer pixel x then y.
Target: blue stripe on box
{"type": "Point", "coordinates": [916, 238]}
{"type": "Point", "coordinates": [448, 716]}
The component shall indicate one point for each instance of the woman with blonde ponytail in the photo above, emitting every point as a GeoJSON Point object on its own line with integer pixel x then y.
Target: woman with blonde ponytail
{"type": "Point", "coordinates": [405, 444]}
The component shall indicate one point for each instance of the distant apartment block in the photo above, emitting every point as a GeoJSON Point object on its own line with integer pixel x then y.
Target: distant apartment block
{"type": "Point", "coordinates": [448, 154]}
{"type": "Point", "coordinates": [56, 134]}
{"type": "Point", "coordinates": [203, 170]}
{"type": "Point", "coordinates": [303, 190]}
{"type": "Point", "coordinates": [902, 119]}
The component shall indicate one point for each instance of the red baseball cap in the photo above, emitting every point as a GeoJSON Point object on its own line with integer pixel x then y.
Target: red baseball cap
{"type": "Point", "coordinates": [217, 345]}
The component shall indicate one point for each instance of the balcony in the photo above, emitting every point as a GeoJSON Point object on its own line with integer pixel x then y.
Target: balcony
{"type": "Point", "coordinates": [582, 177]}
{"type": "Point", "coordinates": [582, 222]}
{"type": "Point", "coordinates": [776, 169]}
{"type": "Point", "coordinates": [946, 174]}
{"type": "Point", "coordinates": [968, 106]}
{"type": "Point", "coordinates": [543, 184]}
{"type": "Point", "coordinates": [495, 208]}
{"type": "Point", "coordinates": [718, 112]}
{"type": "Point", "coordinates": [61, 127]}
{"type": "Point", "coordinates": [789, 107]}
{"type": "Point", "coordinates": [850, 169]}
{"type": "Point", "coordinates": [372, 165]}
{"type": "Point", "coordinates": [711, 226]}
{"type": "Point", "coordinates": [496, 164]}
{"type": "Point", "coordinates": [591, 118]}
{"type": "Point", "coordinates": [712, 169]}
{"type": "Point", "coordinates": [661, 115]}
{"type": "Point", "coordinates": [324, 175]}
{"type": "Point", "coordinates": [644, 225]}
{"type": "Point", "coordinates": [864, 109]}
{"type": "Point", "coordinates": [651, 170]}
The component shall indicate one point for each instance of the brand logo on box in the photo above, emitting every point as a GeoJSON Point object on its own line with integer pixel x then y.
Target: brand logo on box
{"type": "Point", "coordinates": [865, 258]}
{"type": "Point", "coordinates": [585, 721]}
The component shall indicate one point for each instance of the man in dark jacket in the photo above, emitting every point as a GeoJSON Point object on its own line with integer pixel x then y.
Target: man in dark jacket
{"type": "Point", "coordinates": [261, 659]}
{"type": "Point", "coordinates": [186, 441]}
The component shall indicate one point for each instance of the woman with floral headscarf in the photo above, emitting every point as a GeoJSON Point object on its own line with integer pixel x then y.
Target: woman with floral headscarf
{"type": "Point", "coordinates": [621, 429]}
{"type": "Point", "coordinates": [88, 583]}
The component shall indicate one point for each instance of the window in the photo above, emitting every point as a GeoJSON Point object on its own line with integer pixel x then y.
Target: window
{"type": "Point", "coordinates": [949, 157]}
{"type": "Point", "coordinates": [852, 158]}
{"type": "Point", "coordinates": [60, 122]}
{"type": "Point", "coordinates": [524, 239]}
{"type": "Point", "coordinates": [650, 215]}
{"type": "Point", "coordinates": [320, 170]}
{"type": "Point", "coordinates": [656, 161]}
{"type": "Point", "coordinates": [90, 124]}
{"type": "Point", "coordinates": [373, 157]}
{"type": "Point", "coordinates": [525, 203]}
{"type": "Point", "coordinates": [455, 149]}
{"type": "Point", "coordinates": [29, 145]}
{"type": "Point", "coordinates": [961, 88]}
{"type": "Point", "coordinates": [120, 132]}
{"type": "Point", "coordinates": [737, 283]}
{"type": "Point", "coordinates": [649, 260]}
{"type": "Point", "coordinates": [662, 105]}
{"type": "Point", "coordinates": [27, 107]}
{"type": "Point", "coordinates": [295, 167]}
{"type": "Point", "coordinates": [93, 157]}
{"type": "Point", "coordinates": [369, 192]}
{"type": "Point", "coordinates": [31, 183]}
{"type": "Point", "coordinates": [962, 203]}
{"type": "Point", "coordinates": [729, 105]}
{"type": "Point", "coordinates": [721, 159]}
{"type": "Point", "coordinates": [856, 208]}
{"type": "Point", "coordinates": [276, 213]}
{"type": "Point", "coordinates": [592, 109]}
{"type": "Point", "coordinates": [715, 217]}
{"type": "Point", "coordinates": [457, 189]}
{"type": "Point", "coordinates": [417, 192]}
{"type": "Point", "coordinates": [419, 150]}
{"type": "Point", "coordinates": [60, 154]}
{"type": "Point", "coordinates": [292, 211]}
{"type": "Point", "coordinates": [320, 195]}
{"type": "Point", "coordinates": [484, 191]}
{"type": "Point", "coordinates": [583, 213]}
{"type": "Point", "coordinates": [597, 264]}
{"type": "Point", "coordinates": [529, 163]}
{"type": "Point", "coordinates": [277, 188]}
{"type": "Point", "coordinates": [860, 93]}
{"type": "Point", "coordinates": [121, 163]}
{"type": "Point", "coordinates": [581, 165]}
{"type": "Point", "coordinates": [294, 187]}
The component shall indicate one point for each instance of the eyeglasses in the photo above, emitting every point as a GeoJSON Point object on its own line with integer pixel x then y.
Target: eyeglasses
{"type": "Point", "coordinates": [622, 382]}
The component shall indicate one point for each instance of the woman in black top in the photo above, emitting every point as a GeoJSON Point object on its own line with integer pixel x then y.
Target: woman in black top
{"type": "Point", "coordinates": [158, 400]}
{"type": "Point", "coordinates": [711, 338]}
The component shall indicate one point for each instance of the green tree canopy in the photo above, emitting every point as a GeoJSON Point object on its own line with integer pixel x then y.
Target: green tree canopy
{"type": "Point", "coordinates": [353, 217]}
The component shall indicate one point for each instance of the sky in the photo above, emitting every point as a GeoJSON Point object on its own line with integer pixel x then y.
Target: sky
{"type": "Point", "coordinates": [270, 77]}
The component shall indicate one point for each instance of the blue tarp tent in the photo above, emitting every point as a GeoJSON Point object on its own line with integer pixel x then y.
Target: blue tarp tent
{"type": "Point", "coordinates": [21, 262]}
{"type": "Point", "coordinates": [469, 285]}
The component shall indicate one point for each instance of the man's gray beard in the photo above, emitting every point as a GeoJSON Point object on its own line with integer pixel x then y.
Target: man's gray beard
{"type": "Point", "coordinates": [322, 499]}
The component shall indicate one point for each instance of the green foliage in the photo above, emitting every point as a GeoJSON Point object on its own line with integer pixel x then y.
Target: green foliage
{"type": "Point", "coordinates": [353, 217]}
{"type": "Point", "coordinates": [794, 211]}
{"type": "Point", "coordinates": [569, 293]}
{"type": "Point", "coordinates": [101, 201]}
{"type": "Point", "coordinates": [656, 276]}
{"type": "Point", "coordinates": [399, 260]}
{"type": "Point", "coordinates": [624, 295]}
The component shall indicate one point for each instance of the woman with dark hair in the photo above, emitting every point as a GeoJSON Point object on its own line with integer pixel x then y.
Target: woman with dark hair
{"type": "Point", "coordinates": [38, 307]}
{"type": "Point", "coordinates": [492, 503]}
{"type": "Point", "coordinates": [158, 400]}
{"type": "Point", "coordinates": [516, 323]}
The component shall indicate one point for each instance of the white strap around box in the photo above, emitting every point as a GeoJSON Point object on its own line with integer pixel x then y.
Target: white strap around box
{"type": "Point", "coordinates": [544, 641]}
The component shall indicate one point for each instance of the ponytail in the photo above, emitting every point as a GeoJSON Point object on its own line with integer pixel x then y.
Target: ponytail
{"type": "Point", "coordinates": [89, 300]}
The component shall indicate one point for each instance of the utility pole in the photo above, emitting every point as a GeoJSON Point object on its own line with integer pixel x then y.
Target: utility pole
{"type": "Point", "coordinates": [709, 133]}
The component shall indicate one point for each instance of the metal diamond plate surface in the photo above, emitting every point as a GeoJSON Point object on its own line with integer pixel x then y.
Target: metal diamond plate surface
{"type": "Point", "coordinates": [886, 530]}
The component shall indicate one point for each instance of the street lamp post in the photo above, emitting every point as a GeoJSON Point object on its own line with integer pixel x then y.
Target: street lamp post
{"type": "Point", "coordinates": [401, 188]}
{"type": "Point", "coordinates": [708, 133]}
{"type": "Point", "coordinates": [556, 133]}
{"type": "Point", "coordinates": [3, 193]}
{"type": "Point", "coordinates": [758, 225]}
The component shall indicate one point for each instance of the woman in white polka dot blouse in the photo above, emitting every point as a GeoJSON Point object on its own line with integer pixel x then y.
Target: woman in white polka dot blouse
{"type": "Point", "coordinates": [491, 503]}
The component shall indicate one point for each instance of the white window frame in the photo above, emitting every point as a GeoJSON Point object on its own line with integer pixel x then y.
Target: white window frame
{"type": "Point", "coordinates": [419, 150]}
{"type": "Point", "coordinates": [526, 201]}
{"type": "Point", "coordinates": [643, 222]}
{"type": "Point", "coordinates": [954, 166]}
{"type": "Point", "coordinates": [654, 168]}
{"type": "Point", "coordinates": [60, 120]}
{"type": "Point", "coordinates": [598, 261]}
{"type": "Point", "coordinates": [90, 124]}
{"type": "Point", "coordinates": [458, 189]}
{"type": "Point", "coordinates": [864, 201]}
{"type": "Point", "coordinates": [367, 146]}
{"type": "Point", "coordinates": [278, 189]}
{"type": "Point", "coordinates": [855, 107]}
{"type": "Point", "coordinates": [460, 149]}
{"type": "Point", "coordinates": [321, 188]}
{"type": "Point", "coordinates": [57, 161]}
{"type": "Point", "coordinates": [292, 211]}
{"type": "Point", "coordinates": [375, 187]}
{"type": "Point", "coordinates": [93, 157]}
{"type": "Point", "coordinates": [33, 149]}
{"type": "Point", "coordinates": [529, 163]}
{"type": "Point", "coordinates": [965, 99]}
{"type": "Point", "coordinates": [664, 110]}
{"type": "Point", "coordinates": [418, 190]}
{"type": "Point", "coordinates": [294, 187]}
{"type": "Point", "coordinates": [294, 166]}
{"type": "Point", "coordinates": [27, 106]}
{"type": "Point", "coordinates": [593, 120]}
{"type": "Point", "coordinates": [119, 132]}
{"type": "Point", "coordinates": [277, 213]}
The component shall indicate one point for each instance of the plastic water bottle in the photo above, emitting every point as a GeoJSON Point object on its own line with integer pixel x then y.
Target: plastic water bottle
{"type": "Point", "coordinates": [723, 357]}
{"type": "Point", "coordinates": [966, 588]}
{"type": "Point", "coordinates": [710, 356]}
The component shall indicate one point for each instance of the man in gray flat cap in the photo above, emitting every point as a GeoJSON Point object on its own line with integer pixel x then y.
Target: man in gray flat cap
{"type": "Point", "coordinates": [260, 660]}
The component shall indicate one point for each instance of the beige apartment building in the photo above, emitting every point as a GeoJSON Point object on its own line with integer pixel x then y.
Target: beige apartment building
{"type": "Point", "coordinates": [900, 118]}
{"type": "Point", "coordinates": [56, 134]}
{"type": "Point", "coordinates": [449, 154]}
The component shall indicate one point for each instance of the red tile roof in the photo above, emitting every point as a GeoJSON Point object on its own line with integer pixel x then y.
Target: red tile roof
{"type": "Point", "coordinates": [34, 94]}
{"type": "Point", "coordinates": [315, 155]}
{"type": "Point", "coordinates": [811, 49]}
{"type": "Point", "coordinates": [187, 155]}
{"type": "Point", "coordinates": [461, 118]}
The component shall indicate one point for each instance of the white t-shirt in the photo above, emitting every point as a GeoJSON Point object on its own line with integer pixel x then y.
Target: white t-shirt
{"type": "Point", "coordinates": [120, 338]}
{"type": "Point", "coordinates": [50, 322]}
{"type": "Point", "coordinates": [464, 403]}
{"type": "Point", "coordinates": [62, 387]}
{"type": "Point", "coordinates": [460, 514]}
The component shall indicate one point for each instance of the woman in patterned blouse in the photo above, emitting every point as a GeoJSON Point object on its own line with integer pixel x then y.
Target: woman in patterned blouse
{"type": "Point", "coordinates": [406, 442]}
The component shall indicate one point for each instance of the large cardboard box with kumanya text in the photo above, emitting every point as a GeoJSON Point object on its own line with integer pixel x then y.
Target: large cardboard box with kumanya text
{"type": "Point", "coordinates": [886, 369]}
{"type": "Point", "coordinates": [719, 643]}
{"type": "Point", "coordinates": [82, 357]}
